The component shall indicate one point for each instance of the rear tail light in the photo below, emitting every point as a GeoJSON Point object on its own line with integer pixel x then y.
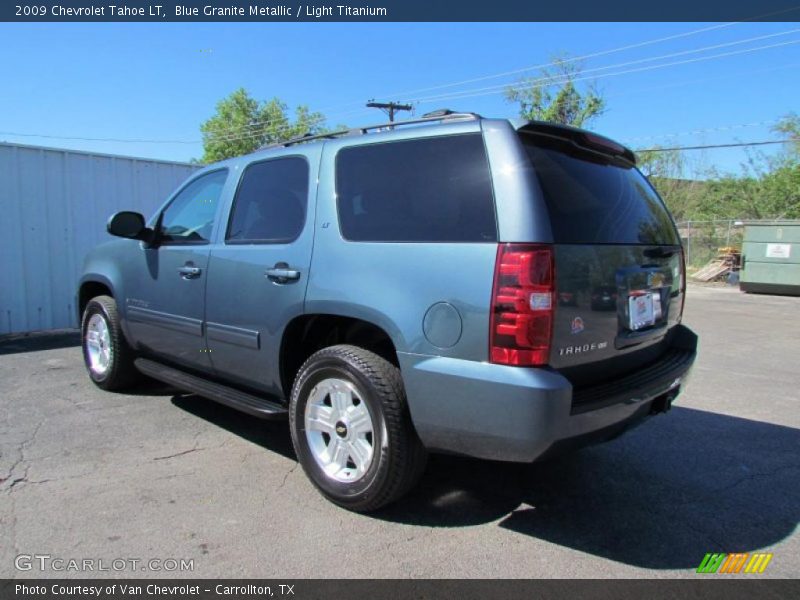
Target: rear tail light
{"type": "Point", "coordinates": [522, 305]}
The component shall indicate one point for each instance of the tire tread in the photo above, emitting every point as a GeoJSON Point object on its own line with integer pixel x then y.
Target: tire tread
{"type": "Point", "coordinates": [123, 372]}
{"type": "Point", "coordinates": [409, 457]}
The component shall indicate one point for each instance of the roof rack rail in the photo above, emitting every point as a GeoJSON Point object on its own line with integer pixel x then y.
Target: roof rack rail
{"type": "Point", "coordinates": [439, 115]}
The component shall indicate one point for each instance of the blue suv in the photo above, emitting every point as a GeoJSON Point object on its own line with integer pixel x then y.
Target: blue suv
{"type": "Point", "coordinates": [496, 289]}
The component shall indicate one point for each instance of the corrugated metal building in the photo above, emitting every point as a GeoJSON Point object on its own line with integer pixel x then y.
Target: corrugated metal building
{"type": "Point", "coordinates": [54, 205]}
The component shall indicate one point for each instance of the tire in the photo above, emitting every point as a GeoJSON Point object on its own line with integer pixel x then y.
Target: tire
{"type": "Point", "coordinates": [360, 382]}
{"type": "Point", "coordinates": [108, 358]}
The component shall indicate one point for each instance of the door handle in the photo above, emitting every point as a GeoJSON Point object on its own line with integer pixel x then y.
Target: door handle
{"type": "Point", "coordinates": [281, 273]}
{"type": "Point", "coordinates": [188, 272]}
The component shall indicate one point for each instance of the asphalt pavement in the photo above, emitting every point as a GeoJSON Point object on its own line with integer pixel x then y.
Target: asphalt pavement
{"type": "Point", "coordinates": [157, 475]}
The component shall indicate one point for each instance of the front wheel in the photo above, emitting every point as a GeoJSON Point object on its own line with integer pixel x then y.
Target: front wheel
{"type": "Point", "coordinates": [351, 428]}
{"type": "Point", "coordinates": [108, 358]}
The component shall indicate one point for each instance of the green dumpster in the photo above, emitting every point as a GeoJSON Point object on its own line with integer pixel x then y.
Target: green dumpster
{"type": "Point", "coordinates": [771, 258]}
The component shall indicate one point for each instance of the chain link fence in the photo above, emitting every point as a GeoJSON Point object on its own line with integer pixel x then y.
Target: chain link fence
{"type": "Point", "coordinates": [703, 240]}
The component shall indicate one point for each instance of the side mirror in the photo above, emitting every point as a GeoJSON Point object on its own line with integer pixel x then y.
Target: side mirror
{"type": "Point", "coordinates": [128, 224]}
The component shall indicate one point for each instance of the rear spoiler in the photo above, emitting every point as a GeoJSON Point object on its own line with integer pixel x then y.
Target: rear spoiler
{"type": "Point", "coordinates": [580, 138]}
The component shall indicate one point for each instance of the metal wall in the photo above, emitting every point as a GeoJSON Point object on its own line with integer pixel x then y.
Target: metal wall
{"type": "Point", "coordinates": [54, 205]}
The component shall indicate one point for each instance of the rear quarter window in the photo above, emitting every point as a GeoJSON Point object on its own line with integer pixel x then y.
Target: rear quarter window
{"type": "Point", "coordinates": [424, 190]}
{"type": "Point", "coordinates": [592, 200]}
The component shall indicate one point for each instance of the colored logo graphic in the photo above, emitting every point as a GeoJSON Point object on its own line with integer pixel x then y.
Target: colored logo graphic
{"type": "Point", "coordinates": [577, 325]}
{"type": "Point", "coordinates": [738, 562]}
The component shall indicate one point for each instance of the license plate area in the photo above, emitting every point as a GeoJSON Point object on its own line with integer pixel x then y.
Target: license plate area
{"type": "Point", "coordinates": [644, 309]}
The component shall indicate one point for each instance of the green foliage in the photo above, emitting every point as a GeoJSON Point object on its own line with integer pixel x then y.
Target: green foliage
{"type": "Point", "coordinates": [789, 126]}
{"type": "Point", "coordinates": [555, 97]}
{"type": "Point", "coordinates": [767, 187]}
{"type": "Point", "coordinates": [242, 124]}
{"type": "Point", "coordinates": [665, 170]}
{"type": "Point", "coordinates": [771, 195]}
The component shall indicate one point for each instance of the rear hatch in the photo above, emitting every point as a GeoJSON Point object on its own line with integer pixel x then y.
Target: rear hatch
{"type": "Point", "coordinates": [618, 261]}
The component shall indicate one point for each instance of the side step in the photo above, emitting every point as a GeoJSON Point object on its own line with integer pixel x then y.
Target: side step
{"type": "Point", "coordinates": [252, 405]}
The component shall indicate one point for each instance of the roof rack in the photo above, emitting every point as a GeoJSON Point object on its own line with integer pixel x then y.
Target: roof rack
{"type": "Point", "coordinates": [439, 115]}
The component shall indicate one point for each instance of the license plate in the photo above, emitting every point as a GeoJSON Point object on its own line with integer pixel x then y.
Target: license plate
{"type": "Point", "coordinates": [642, 310]}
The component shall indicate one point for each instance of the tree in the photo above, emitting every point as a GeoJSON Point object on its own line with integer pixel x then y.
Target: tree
{"type": "Point", "coordinates": [659, 162]}
{"type": "Point", "coordinates": [555, 97]}
{"type": "Point", "coordinates": [789, 126]}
{"type": "Point", "coordinates": [769, 188]}
{"type": "Point", "coordinates": [242, 124]}
{"type": "Point", "coordinates": [665, 169]}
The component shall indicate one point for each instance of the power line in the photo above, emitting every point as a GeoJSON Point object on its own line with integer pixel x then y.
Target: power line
{"type": "Point", "coordinates": [548, 81]}
{"type": "Point", "coordinates": [250, 130]}
{"type": "Point", "coordinates": [93, 139]}
{"type": "Point", "coordinates": [568, 60]}
{"type": "Point", "coordinates": [231, 136]}
{"type": "Point", "coordinates": [703, 80]}
{"type": "Point", "coordinates": [259, 124]}
{"type": "Point", "coordinates": [134, 140]}
{"type": "Point", "coordinates": [711, 146]}
{"type": "Point", "coordinates": [706, 130]}
{"type": "Point", "coordinates": [470, 94]}
{"type": "Point", "coordinates": [554, 81]}
{"type": "Point", "coordinates": [600, 53]}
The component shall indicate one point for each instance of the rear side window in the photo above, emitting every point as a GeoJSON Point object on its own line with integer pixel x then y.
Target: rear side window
{"type": "Point", "coordinates": [594, 200]}
{"type": "Point", "coordinates": [270, 204]}
{"type": "Point", "coordinates": [425, 190]}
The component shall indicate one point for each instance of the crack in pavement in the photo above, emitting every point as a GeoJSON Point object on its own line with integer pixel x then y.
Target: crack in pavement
{"type": "Point", "coordinates": [19, 481]}
{"type": "Point", "coordinates": [196, 448]}
{"type": "Point", "coordinates": [283, 482]}
{"type": "Point", "coordinates": [22, 447]}
{"type": "Point", "coordinates": [286, 475]}
{"type": "Point", "coordinates": [184, 453]}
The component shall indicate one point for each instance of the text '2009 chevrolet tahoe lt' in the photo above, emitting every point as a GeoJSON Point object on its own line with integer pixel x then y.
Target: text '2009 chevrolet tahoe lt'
{"type": "Point", "coordinates": [496, 289]}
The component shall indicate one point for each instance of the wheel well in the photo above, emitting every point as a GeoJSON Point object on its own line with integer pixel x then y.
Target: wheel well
{"type": "Point", "coordinates": [89, 290]}
{"type": "Point", "coordinates": [309, 333]}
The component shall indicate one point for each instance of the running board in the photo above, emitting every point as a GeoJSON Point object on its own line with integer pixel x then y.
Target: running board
{"type": "Point", "coordinates": [247, 403]}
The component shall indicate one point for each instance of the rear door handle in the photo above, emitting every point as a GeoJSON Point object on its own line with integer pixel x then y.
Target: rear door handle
{"type": "Point", "coordinates": [281, 273]}
{"type": "Point", "coordinates": [188, 272]}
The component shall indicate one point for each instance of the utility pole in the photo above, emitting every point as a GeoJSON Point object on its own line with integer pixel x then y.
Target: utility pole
{"type": "Point", "coordinates": [389, 107]}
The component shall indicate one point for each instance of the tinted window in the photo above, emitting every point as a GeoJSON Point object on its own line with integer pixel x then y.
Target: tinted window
{"type": "Point", "coordinates": [592, 199]}
{"type": "Point", "coordinates": [427, 190]}
{"type": "Point", "coordinates": [190, 215]}
{"type": "Point", "coordinates": [270, 205]}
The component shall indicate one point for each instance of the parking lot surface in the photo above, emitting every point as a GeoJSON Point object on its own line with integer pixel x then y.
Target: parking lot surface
{"type": "Point", "coordinates": [156, 474]}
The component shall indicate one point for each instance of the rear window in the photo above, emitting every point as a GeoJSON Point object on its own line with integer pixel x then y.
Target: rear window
{"type": "Point", "coordinates": [596, 200]}
{"type": "Point", "coordinates": [425, 190]}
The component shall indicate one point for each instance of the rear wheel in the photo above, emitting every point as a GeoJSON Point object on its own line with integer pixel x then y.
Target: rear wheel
{"type": "Point", "coordinates": [108, 358]}
{"type": "Point", "coordinates": [351, 428]}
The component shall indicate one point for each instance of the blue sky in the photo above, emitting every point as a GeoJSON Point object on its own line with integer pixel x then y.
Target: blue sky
{"type": "Point", "coordinates": [160, 81]}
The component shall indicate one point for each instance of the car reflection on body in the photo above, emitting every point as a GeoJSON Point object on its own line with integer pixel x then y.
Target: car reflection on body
{"type": "Point", "coordinates": [604, 297]}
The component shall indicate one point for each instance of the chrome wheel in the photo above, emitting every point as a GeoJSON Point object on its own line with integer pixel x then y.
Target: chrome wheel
{"type": "Point", "coordinates": [98, 345]}
{"type": "Point", "coordinates": [339, 430]}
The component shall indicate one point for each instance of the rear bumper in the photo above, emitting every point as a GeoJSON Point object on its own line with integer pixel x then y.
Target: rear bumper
{"type": "Point", "coordinates": [516, 414]}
